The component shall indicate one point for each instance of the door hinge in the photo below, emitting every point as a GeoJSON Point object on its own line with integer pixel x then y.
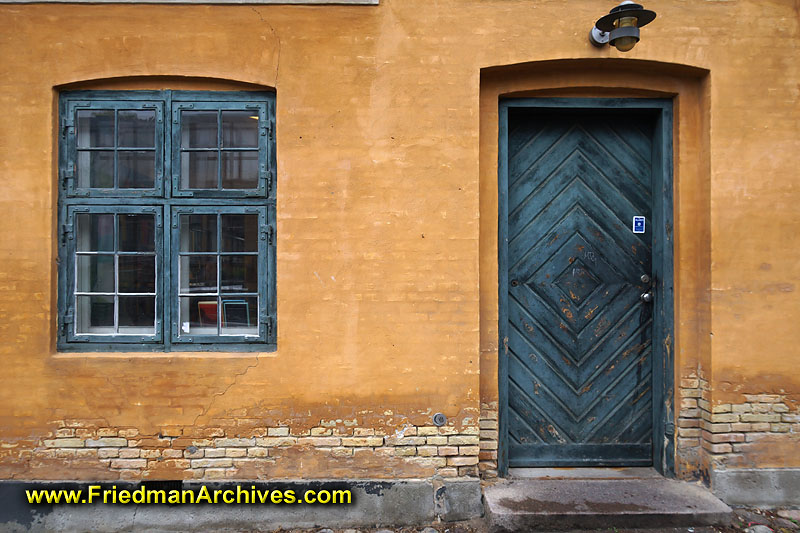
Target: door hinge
{"type": "Point", "coordinates": [669, 429]}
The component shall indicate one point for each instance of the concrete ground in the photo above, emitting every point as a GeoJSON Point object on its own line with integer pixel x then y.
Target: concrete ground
{"type": "Point", "coordinates": [746, 520]}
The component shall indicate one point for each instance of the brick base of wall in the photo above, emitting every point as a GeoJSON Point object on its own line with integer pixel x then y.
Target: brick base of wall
{"type": "Point", "coordinates": [727, 432]}
{"type": "Point", "coordinates": [211, 453]}
{"type": "Point", "coordinates": [488, 440]}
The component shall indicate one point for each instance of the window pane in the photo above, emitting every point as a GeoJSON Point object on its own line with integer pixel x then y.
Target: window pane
{"type": "Point", "coordinates": [136, 170]}
{"type": "Point", "coordinates": [137, 233]}
{"type": "Point", "coordinates": [198, 233]}
{"type": "Point", "coordinates": [239, 316]}
{"type": "Point", "coordinates": [95, 273]}
{"type": "Point", "coordinates": [95, 232]}
{"type": "Point", "coordinates": [239, 170]}
{"type": "Point", "coordinates": [96, 169]}
{"type": "Point", "coordinates": [199, 170]}
{"type": "Point", "coordinates": [137, 315]}
{"type": "Point", "coordinates": [239, 273]}
{"type": "Point", "coordinates": [198, 273]}
{"type": "Point", "coordinates": [137, 273]}
{"type": "Point", "coordinates": [240, 129]}
{"type": "Point", "coordinates": [95, 128]}
{"type": "Point", "coordinates": [198, 315]}
{"type": "Point", "coordinates": [95, 314]}
{"type": "Point", "coordinates": [239, 233]}
{"type": "Point", "coordinates": [137, 129]}
{"type": "Point", "coordinates": [198, 129]}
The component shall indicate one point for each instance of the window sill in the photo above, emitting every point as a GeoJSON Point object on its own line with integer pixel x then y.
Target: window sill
{"type": "Point", "coordinates": [193, 351]}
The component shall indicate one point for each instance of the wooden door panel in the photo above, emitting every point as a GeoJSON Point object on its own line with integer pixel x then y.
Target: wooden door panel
{"type": "Point", "coordinates": [579, 338]}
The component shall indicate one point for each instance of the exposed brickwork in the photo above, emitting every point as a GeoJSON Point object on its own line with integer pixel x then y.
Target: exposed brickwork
{"type": "Point", "coordinates": [487, 453]}
{"type": "Point", "coordinates": [211, 453]}
{"type": "Point", "coordinates": [726, 432]}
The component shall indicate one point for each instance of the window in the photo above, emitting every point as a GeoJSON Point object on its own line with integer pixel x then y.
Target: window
{"type": "Point", "coordinates": [166, 217]}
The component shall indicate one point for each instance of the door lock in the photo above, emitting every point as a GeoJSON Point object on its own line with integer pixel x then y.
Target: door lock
{"type": "Point", "coordinates": [645, 279]}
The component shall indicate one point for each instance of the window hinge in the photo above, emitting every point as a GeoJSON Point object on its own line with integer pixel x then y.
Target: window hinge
{"type": "Point", "coordinates": [267, 320]}
{"type": "Point", "coordinates": [266, 234]}
{"type": "Point", "coordinates": [266, 177]}
{"type": "Point", "coordinates": [66, 320]}
{"type": "Point", "coordinates": [67, 127]}
{"type": "Point", "coordinates": [67, 232]}
{"type": "Point", "coordinates": [68, 174]}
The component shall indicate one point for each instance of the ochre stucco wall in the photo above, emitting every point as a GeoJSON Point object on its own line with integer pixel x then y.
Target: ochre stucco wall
{"type": "Point", "coordinates": [386, 254]}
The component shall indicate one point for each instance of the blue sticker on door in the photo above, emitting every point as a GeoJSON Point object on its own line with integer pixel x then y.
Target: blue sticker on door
{"type": "Point", "coordinates": [638, 224]}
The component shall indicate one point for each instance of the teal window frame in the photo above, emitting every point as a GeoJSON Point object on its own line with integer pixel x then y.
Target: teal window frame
{"type": "Point", "coordinates": [167, 201]}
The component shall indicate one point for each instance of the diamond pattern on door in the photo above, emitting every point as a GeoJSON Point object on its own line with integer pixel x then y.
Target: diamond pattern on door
{"type": "Point", "coordinates": [579, 339]}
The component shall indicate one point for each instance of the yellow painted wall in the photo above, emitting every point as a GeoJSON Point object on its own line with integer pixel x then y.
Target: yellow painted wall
{"type": "Point", "coordinates": [386, 261]}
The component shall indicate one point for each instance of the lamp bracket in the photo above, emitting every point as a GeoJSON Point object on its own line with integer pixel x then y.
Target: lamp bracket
{"type": "Point", "coordinates": [599, 38]}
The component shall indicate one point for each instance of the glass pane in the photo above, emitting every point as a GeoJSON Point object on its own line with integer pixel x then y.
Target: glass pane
{"type": "Point", "coordinates": [240, 129]}
{"type": "Point", "coordinates": [198, 315]}
{"type": "Point", "coordinates": [136, 170]}
{"type": "Point", "coordinates": [137, 129]}
{"type": "Point", "coordinates": [239, 273]}
{"type": "Point", "coordinates": [95, 128]}
{"type": "Point", "coordinates": [95, 273]}
{"type": "Point", "coordinates": [198, 233]}
{"type": "Point", "coordinates": [239, 316]}
{"type": "Point", "coordinates": [95, 232]}
{"type": "Point", "coordinates": [198, 129]}
{"type": "Point", "coordinates": [95, 314]}
{"type": "Point", "coordinates": [137, 233]}
{"type": "Point", "coordinates": [96, 169]}
{"type": "Point", "coordinates": [137, 273]}
{"type": "Point", "coordinates": [137, 315]}
{"type": "Point", "coordinates": [199, 170]}
{"type": "Point", "coordinates": [239, 170]}
{"type": "Point", "coordinates": [239, 233]}
{"type": "Point", "coordinates": [198, 273]}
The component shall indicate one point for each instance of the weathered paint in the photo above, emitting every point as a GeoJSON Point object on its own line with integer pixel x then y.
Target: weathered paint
{"type": "Point", "coordinates": [387, 205]}
{"type": "Point", "coordinates": [557, 191]}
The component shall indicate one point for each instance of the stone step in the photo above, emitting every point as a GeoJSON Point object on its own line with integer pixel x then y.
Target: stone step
{"type": "Point", "coordinates": [547, 504]}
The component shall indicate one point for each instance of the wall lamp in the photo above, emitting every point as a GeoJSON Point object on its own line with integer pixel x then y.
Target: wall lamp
{"type": "Point", "coordinates": [620, 27]}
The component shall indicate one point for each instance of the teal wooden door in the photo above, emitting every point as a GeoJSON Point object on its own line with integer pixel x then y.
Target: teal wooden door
{"type": "Point", "coordinates": [578, 336]}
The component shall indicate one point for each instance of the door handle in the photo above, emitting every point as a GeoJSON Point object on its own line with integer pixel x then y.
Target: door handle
{"type": "Point", "coordinates": [646, 297]}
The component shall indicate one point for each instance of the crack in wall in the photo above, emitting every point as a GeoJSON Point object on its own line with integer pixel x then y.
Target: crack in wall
{"type": "Point", "coordinates": [219, 394]}
{"type": "Point", "coordinates": [277, 38]}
